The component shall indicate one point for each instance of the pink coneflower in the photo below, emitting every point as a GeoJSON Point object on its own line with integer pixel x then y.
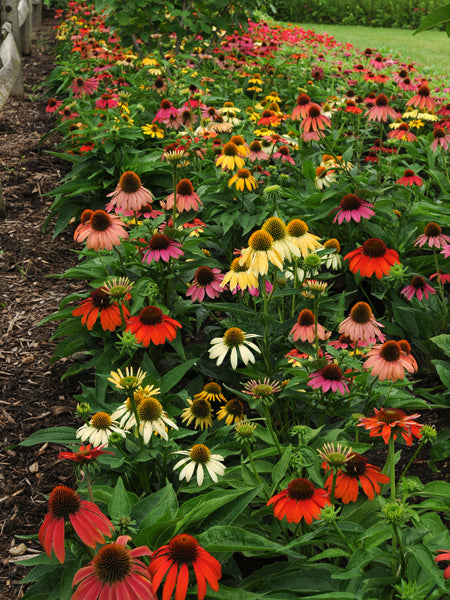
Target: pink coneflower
{"type": "Point", "coordinates": [130, 194]}
{"type": "Point", "coordinates": [166, 113]}
{"type": "Point", "coordinates": [446, 251]}
{"type": "Point", "coordinates": [102, 232]}
{"type": "Point", "coordinates": [304, 329]}
{"type": "Point", "coordinates": [441, 139]}
{"type": "Point", "coordinates": [443, 278]}
{"type": "Point", "coordinates": [186, 198]}
{"type": "Point", "coordinates": [329, 378]}
{"type": "Point", "coordinates": [107, 100]}
{"type": "Point", "coordinates": [161, 247]}
{"type": "Point", "coordinates": [432, 236]}
{"type": "Point", "coordinates": [283, 152]}
{"type": "Point", "coordinates": [422, 99]}
{"type": "Point", "coordinates": [315, 122]}
{"type": "Point", "coordinates": [388, 362]}
{"type": "Point", "coordinates": [406, 350]}
{"type": "Point", "coordinates": [53, 105]}
{"type": "Point", "coordinates": [418, 288]}
{"type": "Point", "coordinates": [377, 62]}
{"type": "Point", "coordinates": [84, 222]}
{"type": "Point", "coordinates": [353, 208]}
{"type": "Point", "coordinates": [84, 87]}
{"type": "Point", "coordinates": [67, 114]}
{"type": "Point", "coordinates": [407, 85]}
{"type": "Point", "coordinates": [206, 281]}
{"type": "Point", "coordinates": [301, 109]}
{"type": "Point", "coordinates": [257, 152]}
{"type": "Point", "coordinates": [381, 110]}
{"type": "Point", "coordinates": [444, 110]}
{"type": "Point", "coordinates": [361, 326]}
{"type": "Point", "coordinates": [402, 133]}
{"type": "Point", "coordinates": [410, 178]}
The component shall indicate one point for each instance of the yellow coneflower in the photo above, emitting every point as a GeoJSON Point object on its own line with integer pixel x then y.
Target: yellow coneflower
{"type": "Point", "coordinates": [232, 412]}
{"type": "Point", "coordinates": [230, 158]}
{"type": "Point", "coordinates": [243, 179]}
{"type": "Point", "coordinates": [259, 252]}
{"type": "Point", "coordinates": [199, 411]}
{"type": "Point", "coordinates": [239, 275]}
{"type": "Point", "coordinates": [305, 242]}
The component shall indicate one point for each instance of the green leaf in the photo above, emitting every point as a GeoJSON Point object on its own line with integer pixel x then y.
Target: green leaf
{"type": "Point", "coordinates": [443, 342]}
{"type": "Point", "coordinates": [279, 470]}
{"type": "Point", "coordinates": [165, 497]}
{"type": "Point", "coordinates": [426, 561]}
{"type": "Point", "coordinates": [120, 503]}
{"type": "Point", "coordinates": [436, 17]}
{"type": "Point", "coordinates": [443, 370]}
{"type": "Point", "coordinates": [55, 435]}
{"type": "Point", "coordinates": [170, 379]}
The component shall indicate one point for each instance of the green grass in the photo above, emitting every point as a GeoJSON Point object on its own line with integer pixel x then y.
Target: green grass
{"type": "Point", "coordinates": [429, 48]}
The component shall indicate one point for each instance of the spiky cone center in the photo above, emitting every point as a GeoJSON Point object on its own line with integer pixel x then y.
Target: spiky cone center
{"type": "Point", "coordinates": [101, 298]}
{"type": "Point", "coordinates": [303, 100]}
{"type": "Point", "coordinates": [332, 372]}
{"type": "Point", "coordinates": [321, 172]}
{"type": "Point", "coordinates": [63, 501]}
{"type": "Point", "coordinates": [245, 429]}
{"type": "Point", "coordinates": [300, 489]}
{"type": "Point", "coordinates": [183, 549]}
{"type": "Point", "coordinates": [243, 174]}
{"type": "Point", "coordinates": [236, 267]}
{"type": "Point", "coordinates": [306, 318]}
{"type": "Point", "coordinates": [276, 228]}
{"type": "Point", "coordinates": [101, 420]}
{"type": "Point", "coordinates": [230, 149]}
{"type": "Point", "coordinates": [356, 465]}
{"type": "Point", "coordinates": [361, 313]}
{"type": "Point", "coordinates": [262, 390]}
{"type": "Point", "coordinates": [166, 104]}
{"type": "Point", "coordinates": [284, 150]}
{"type": "Point", "coordinates": [159, 83]}
{"type": "Point", "coordinates": [150, 409]}
{"type": "Point", "coordinates": [238, 140]}
{"type": "Point", "coordinates": [374, 248]}
{"type": "Point", "coordinates": [381, 100]}
{"type": "Point", "coordinates": [201, 408]}
{"type": "Point", "coordinates": [267, 113]}
{"type": "Point", "coordinates": [212, 387]}
{"type": "Point", "coordinates": [350, 202]}
{"type": "Point", "coordinates": [314, 111]}
{"type": "Point", "coordinates": [439, 133]}
{"type": "Point", "coordinates": [100, 220]}
{"type": "Point", "coordinates": [234, 337]}
{"type": "Point", "coordinates": [408, 173]}
{"type": "Point", "coordinates": [297, 228]}
{"type": "Point", "coordinates": [129, 182]}
{"type": "Point", "coordinates": [228, 104]}
{"type": "Point", "coordinates": [418, 283]}
{"type": "Point", "coordinates": [204, 276]}
{"type": "Point", "coordinates": [159, 241]}
{"type": "Point", "coordinates": [260, 241]}
{"type": "Point", "coordinates": [405, 346]}
{"type": "Point", "coordinates": [151, 315]}
{"type": "Point", "coordinates": [403, 127]}
{"type": "Point", "coordinates": [185, 187]}
{"type": "Point", "coordinates": [423, 90]}
{"type": "Point", "coordinates": [391, 351]}
{"type": "Point", "coordinates": [432, 230]}
{"type": "Point", "coordinates": [333, 244]}
{"type": "Point", "coordinates": [255, 146]}
{"type": "Point", "coordinates": [112, 563]}
{"type": "Point", "coordinates": [234, 407]}
{"type": "Point", "coordinates": [86, 215]}
{"type": "Point", "coordinates": [200, 454]}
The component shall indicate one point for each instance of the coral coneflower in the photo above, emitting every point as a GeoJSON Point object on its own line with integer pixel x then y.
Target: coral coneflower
{"type": "Point", "coordinates": [300, 500]}
{"type": "Point", "coordinates": [409, 178]}
{"type": "Point", "coordinates": [53, 105]}
{"type": "Point", "coordinates": [130, 195]}
{"type": "Point", "coordinates": [372, 257]}
{"type": "Point", "coordinates": [315, 121]}
{"type": "Point", "coordinates": [388, 362]}
{"type": "Point", "coordinates": [402, 132]}
{"type": "Point", "coordinates": [161, 247]}
{"type": "Point", "coordinates": [441, 139]}
{"type": "Point", "coordinates": [301, 109]}
{"type": "Point", "coordinates": [175, 558]}
{"type": "Point", "coordinates": [356, 470]}
{"type": "Point", "coordinates": [422, 99]}
{"type": "Point", "coordinates": [152, 325]}
{"type": "Point", "coordinates": [381, 110]}
{"type": "Point", "coordinates": [101, 303]}
{"type": "Point", "coordinates": [186, 198]}
{"type": "Point", "coordinates": [206, 281]}
{"type": "Point", "coordinates": [405, 347]}
{"type": "Point", "coordinates": [230, 158]}
{"type": "Point", "coordinates": [353, 207]}
{"type": "Point", "coordinates": [238, 342]}
{"type": "Point", "coordinates": [102, 231]}
{"type": "Point", "coordinates": [418, 288]}
{"type": "Point", "coordinates": [260, 252]}
{"type": "Point", "coordinates": [65, 505]}
{"type": "Point", "coordinates": [257, 152]}
{"type": "Point", "coordinates": [330, 377]}
{"type": "Point", "coordinates": [115, 572]}
{"type": "Point", "coordinates": [84, 87]}
{"type": "Point", "coordinates": [304, 329]}
{"type": "Point", "coordinates": [361, 325]}
{"type": "Point", "coordinates": [389, 422]}
{"type": "Point", "coordinates": [432, 236]}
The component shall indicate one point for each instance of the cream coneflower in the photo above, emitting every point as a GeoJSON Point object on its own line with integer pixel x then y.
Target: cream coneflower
{"type": "Point", "coordinates": [129, 381]}
{"type": "Point", "coordinates": [239, 275]}
{"type": "Point", "coordinates": [334, 259]}
{"type": "Point", "coordinates": [186, 199]}
{"type": "Point", "coordinates": [324, 177]}
{"type": "Point", "coordinates": [260, 252]}
{"type": "Point", "coordinates": [361, 325]}
{"type": "Point", "coordinates": [198, 457]}
{"type": "Point", "coordinates": [238, 342]}
{"type": "Point", "coordinates": [305, 242]}
{"type": "Point", "coordinates": [243, 180]}
{"type": "Point", "coordinates": [199, 411]}
{"type": "Point", "coordinates": [282, 242]}
{"type": "Point", "coordinates": [232, 412]}
{"type": "Point", "coordinates": [305, 327]}
{"type": "Point", "coordinates": [98, 430]}
{"type": "Point", "coordinates": [102, 232]}
{"type": "Point", "coordinates": [124, 414]}
{"type": "Point", "coordinates": [153, 419]}
{"type": "Point", "coordinates": [230, 158]}
{"type": "Point", "coordinates": [130, 195]}
{"type": "Point", "coordinates": [388, 362]}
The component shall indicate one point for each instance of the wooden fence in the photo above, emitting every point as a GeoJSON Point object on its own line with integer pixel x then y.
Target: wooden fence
{"type": "Point", "coordinates": [17, 20]}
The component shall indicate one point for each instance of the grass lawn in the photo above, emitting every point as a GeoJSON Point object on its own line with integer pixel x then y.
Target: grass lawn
{"type": "Point", "coordinates": [430, 48]}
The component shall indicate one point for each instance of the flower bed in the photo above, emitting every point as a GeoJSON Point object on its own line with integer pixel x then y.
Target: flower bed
{"type": "Point", "coordinates": [262, 241]}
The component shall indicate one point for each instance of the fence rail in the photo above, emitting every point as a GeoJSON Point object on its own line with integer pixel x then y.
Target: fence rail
{"type": "Point", "coordinates": [17, 20]}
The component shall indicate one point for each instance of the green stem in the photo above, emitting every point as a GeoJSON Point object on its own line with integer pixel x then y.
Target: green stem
{"type": "Point", "coordinates": [174, 210]}
{"type": "Point", "coordinates": [413, 457]}
{"type": "Point", "coordinates": [271, 429]}
{"type": "Point", "coordinates": [333, 485]}
{"type": "Point", "coordinates": [89, 486]}
{"type": "Point", "coordinates": [391, 463]}
{"type": "Point", "coordinates": [342, 536]}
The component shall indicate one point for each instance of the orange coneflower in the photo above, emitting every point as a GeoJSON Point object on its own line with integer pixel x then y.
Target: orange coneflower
{"type": "Point", "coordinates": [186, 198]}
{"type": "Point", "coordinates": [130, 195]}
{"type": "Point", "coordinates": [301, 109]}
{"type": "Point", "coordinates": [422, 99]}
{"type": "Point", "coordinates": [387, 361]}
{"type": "Point", "coordinates": [101, 303]}
{"type": "Point", "coordinates": [356, 470]}
{"type": "Point", "coordinates": [372, 257]}
{"type": "Point", "coordinates": [300, 500]}
{"type": "Point", "coordinates": [361, 325]}
{"type": "Point", "coordinates": [152, 325]}
{"type": "Point", "coordinates": [389, 422]}
{"type": "Point", "coordinates": [102, 232]}
{"type": "Point", "coordinates": [304, 329]}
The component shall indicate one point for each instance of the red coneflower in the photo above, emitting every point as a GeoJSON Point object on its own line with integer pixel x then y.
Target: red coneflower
{"type": "Point", "coordinates": [115, 573]}
{"type": "Point", "coordinates": [130, 195]}
{"type": "Point", "coordinates": [175, 558]}
{"type": "Point", "coordinates": [206, 281]}
{"type": "Point", "coordinates": [330, 377]}
{"type": "Point", "coordinates": [304, 329]}
{"type": "Point", "coordinates": [353, 208]}
{"type": "Point", "coordinates": [361, 326]}
{"type": "Point", "coordinates": [350, 107]}
{"type": "Point", "coordinates": [89, 523]}
{"type": "Point", "coordinates": [422, 99]}
{"type": "Point", "coordinates": [410, 178]}
{"type": "Point", "coordinates": [102, 232]}
{"type": "Point", "coordinates": [381, 110]}
{"type": "Point", "coordinates": [432, 236]}
{"type": "Point", "coordinates": [85, 454]}
{"type": "Point", "coordinates": [372, 257]}
{"type": "Point", "coordinates": [402, 132]}
{"type": "Point", "coordinates": [444, 556]}
{"type": "Point", "coordinates": [84, 87]}
{"type": "Point", "coordinates": [356, 469]}
{"type": "Point", "coordinates": [107, 101]}
{"type": "Point", "coordinates": [53, 105]}
{"type": "Point", "coordinates": [389, 422]}
{"type": "Point", "coordinates": [300, 500]}
{"type": "Point", "coordinates": [315, 121]}
{"type": "Point", "coordinates": [101, 303]}
{"type": "Point", "coordinates": [387, 361]}
{"type": "Point", "coordinates": [152, 325]}
{"type": "Point", "coordinates": [161, 247]}
{"type": "Point", "coordinates": [418, 288]}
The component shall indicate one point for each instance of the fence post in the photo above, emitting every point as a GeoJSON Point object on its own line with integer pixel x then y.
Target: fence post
{"type": "Point", "coordinates": [25, 10]}
{"type": "Point", "coordinates": [36, 13]}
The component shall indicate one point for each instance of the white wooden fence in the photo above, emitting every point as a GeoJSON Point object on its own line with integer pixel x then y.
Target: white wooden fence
{"type": "Point", "coordinates": [17, 20]}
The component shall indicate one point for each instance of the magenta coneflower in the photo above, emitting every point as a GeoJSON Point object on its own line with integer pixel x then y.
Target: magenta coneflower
{"type": "Point", "coordinates": [315, 121]}
{"type": "Point", "coordinates": [361, 326]}
{"type": "Point", "coordinates": [102, 232]}
{"type": "Point", "coordinates": [206, 281]}
{"type": "Point", "coordinates": [84, 87]}
{"type": "Point", "coordinates": [377, 62]}
{"type": "Point", "coordinates": [410, 178]}
{"type": "Point", "coordinates": [432, 236]}
{"type": "Point", "coordinates": [130, 194]}
{"type": "Point", "coordinates": [381, 110]}
{"type": "Point", "coordinates": [353, 208]}
{"type": "Point", "coordinates": [441, 139]}
{"type": "Point", "coordinates": [329, 378]}
{"type": "Point", "coordinates": [186, 198]}
{"type": "Point", "coordinates": [53, 105]}
{"type": "Point", "coordinates": [283, 152]}
{"type": "Point", "coordinates": [166, 113]}
{"type": "Point", "coordinates": [422, 99]}
{"type": "Point", "coordinates": [388, 362]}
{"type": "Point", "coordinates": [301, 109]}
{"type": "Point", "coordinates": [418, 288]}
{"type": "Point", "coordinates": [304, 329]}
{"type": "Point", "coordinates": [161, 247]}
{"type": "Point", "coordinates": [107, 100]}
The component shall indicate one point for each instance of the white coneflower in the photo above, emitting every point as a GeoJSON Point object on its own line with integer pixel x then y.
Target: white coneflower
{"type": "Point", "coordinates": [197, 457]}
{"type": "Point", "coordinates": [153, 419]}
{"type": "Point", "coordinates": [236, 340]}
{"type": "Point", "coordinates": [98, 430]}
